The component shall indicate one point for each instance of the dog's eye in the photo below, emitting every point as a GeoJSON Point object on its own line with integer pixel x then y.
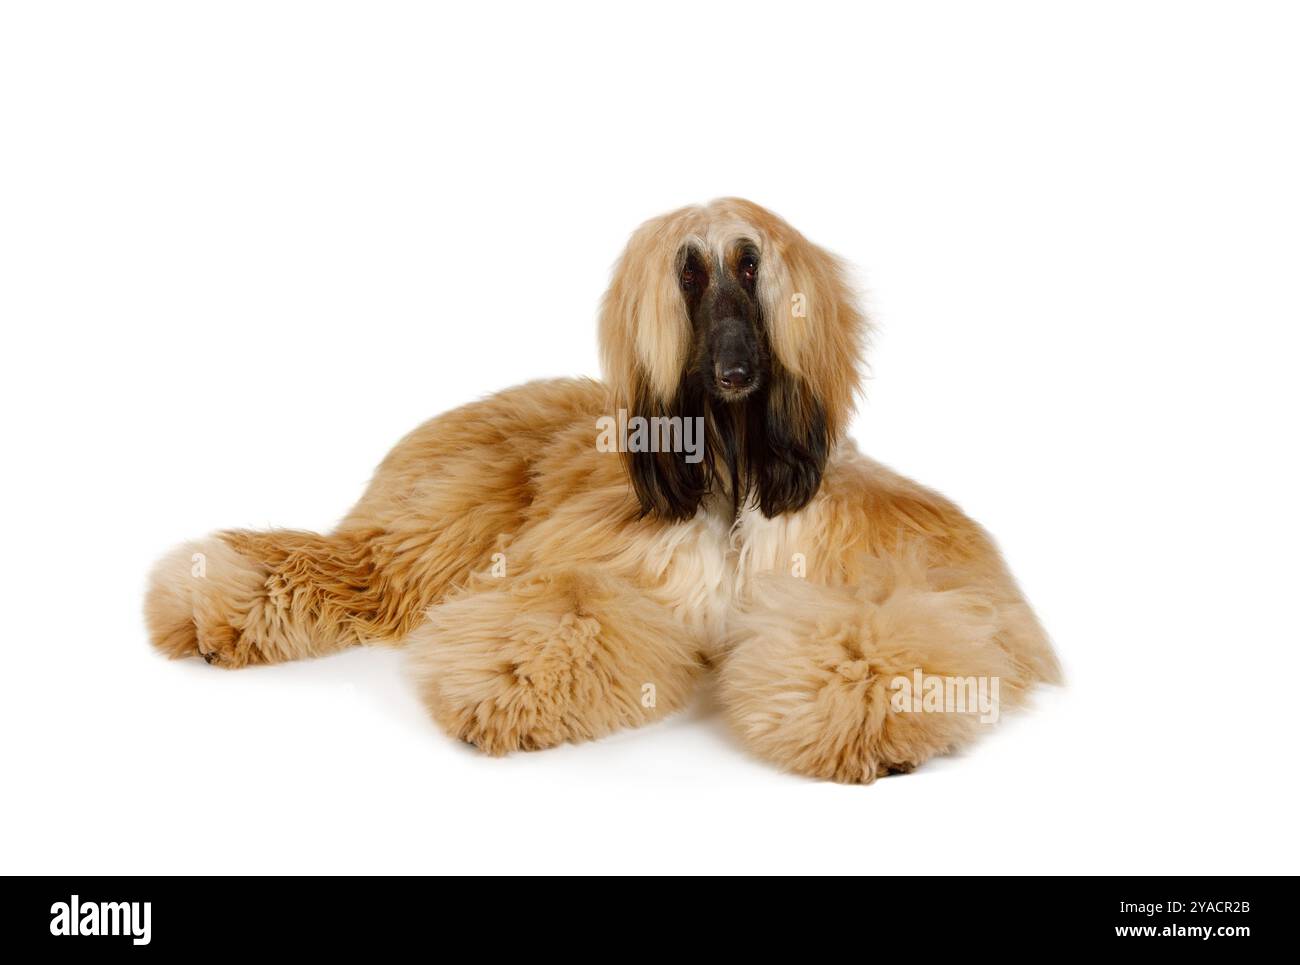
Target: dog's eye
{"type": "Point", "coordinates": [694, 277]}
{"type": "Point", "coordinates": [748, 267]}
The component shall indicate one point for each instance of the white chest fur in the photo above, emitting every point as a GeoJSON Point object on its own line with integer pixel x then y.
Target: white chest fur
{"type": "Point", "coordinates": [701, 568]}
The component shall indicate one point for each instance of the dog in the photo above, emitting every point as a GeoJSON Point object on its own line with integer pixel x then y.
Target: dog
{"type": "Point", "coordinates": [551, 589]}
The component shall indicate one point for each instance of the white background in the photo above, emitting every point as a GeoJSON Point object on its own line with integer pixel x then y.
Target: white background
{"type": "Point", "coordinates": [244, 247]}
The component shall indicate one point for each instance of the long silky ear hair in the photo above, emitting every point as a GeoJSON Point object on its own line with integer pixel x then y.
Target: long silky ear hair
{"type": "Point", "coordinates": [645, 335]}
{"type": "Point", "coordinates": [815, 332]}
{"type": "Point", "coordinates": [787, 442]}
{"type": "Point", "coordinates": [666, 484]}
{"type": "Point", "coordinates": [815, 327]}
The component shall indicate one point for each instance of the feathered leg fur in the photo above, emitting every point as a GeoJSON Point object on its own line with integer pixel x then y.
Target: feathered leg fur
{"type": "Point", "coordinates": [241, 598]}
{"type": "Point", "coordinates": [570, 654]}
{"type": "Point", "coordinates": [901, 583]}
{"type": "Point", "coordinates": [811, 677]}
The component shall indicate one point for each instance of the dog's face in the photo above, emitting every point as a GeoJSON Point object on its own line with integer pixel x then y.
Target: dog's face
{"type": "Point", "coordinates": [725, 314]}
{"type": "Point", "coordinates": [730, 355]}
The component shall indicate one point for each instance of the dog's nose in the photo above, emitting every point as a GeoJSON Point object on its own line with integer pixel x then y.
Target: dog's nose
{"type": "Point", "coordinates": [736, 376]}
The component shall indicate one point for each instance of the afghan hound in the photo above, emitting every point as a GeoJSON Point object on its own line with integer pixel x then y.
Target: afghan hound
{"type": "Point", "coordinates": [570, 557]}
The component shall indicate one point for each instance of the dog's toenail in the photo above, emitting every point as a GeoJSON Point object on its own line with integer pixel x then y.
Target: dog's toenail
{"type": "Point", "coordinates": [210, 657]}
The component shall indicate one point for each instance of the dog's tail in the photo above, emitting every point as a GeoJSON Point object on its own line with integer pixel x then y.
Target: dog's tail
{"type": "Point", "coordinates": [240, 597]}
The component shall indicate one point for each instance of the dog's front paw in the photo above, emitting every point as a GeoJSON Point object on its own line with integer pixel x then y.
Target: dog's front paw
{"type": "Point", "coordinates": [531, 697]}
{"type": "Point", "coordinates": [816, 678]}
{"type": "Point", "coordinates": [560, 658]}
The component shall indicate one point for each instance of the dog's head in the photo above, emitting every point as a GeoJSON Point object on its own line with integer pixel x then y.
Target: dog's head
{"type": "Point", "coordinates": [724, 312]}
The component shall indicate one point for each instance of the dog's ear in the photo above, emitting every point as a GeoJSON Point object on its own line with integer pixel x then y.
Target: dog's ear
{"type": "Point", "coordinates": [644, 342]}
{"type": "Point", "coordinates": [645, 330]}
{"type": "Point", "coordinates": [667, 484]}
{"type": "Point", "coordinates": [788, 444]}
{"type": "Point", "coordinates": [817, 331]}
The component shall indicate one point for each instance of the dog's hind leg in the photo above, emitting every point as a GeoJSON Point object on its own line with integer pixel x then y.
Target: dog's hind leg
{"type": "Point", "coordinates": [564, 655]}
{"type": "Point", "coordinates": [240, 598]}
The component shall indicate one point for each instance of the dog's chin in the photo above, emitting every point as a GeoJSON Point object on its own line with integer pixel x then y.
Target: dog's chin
{"type": "Point", "coordinates": [729, 395]}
